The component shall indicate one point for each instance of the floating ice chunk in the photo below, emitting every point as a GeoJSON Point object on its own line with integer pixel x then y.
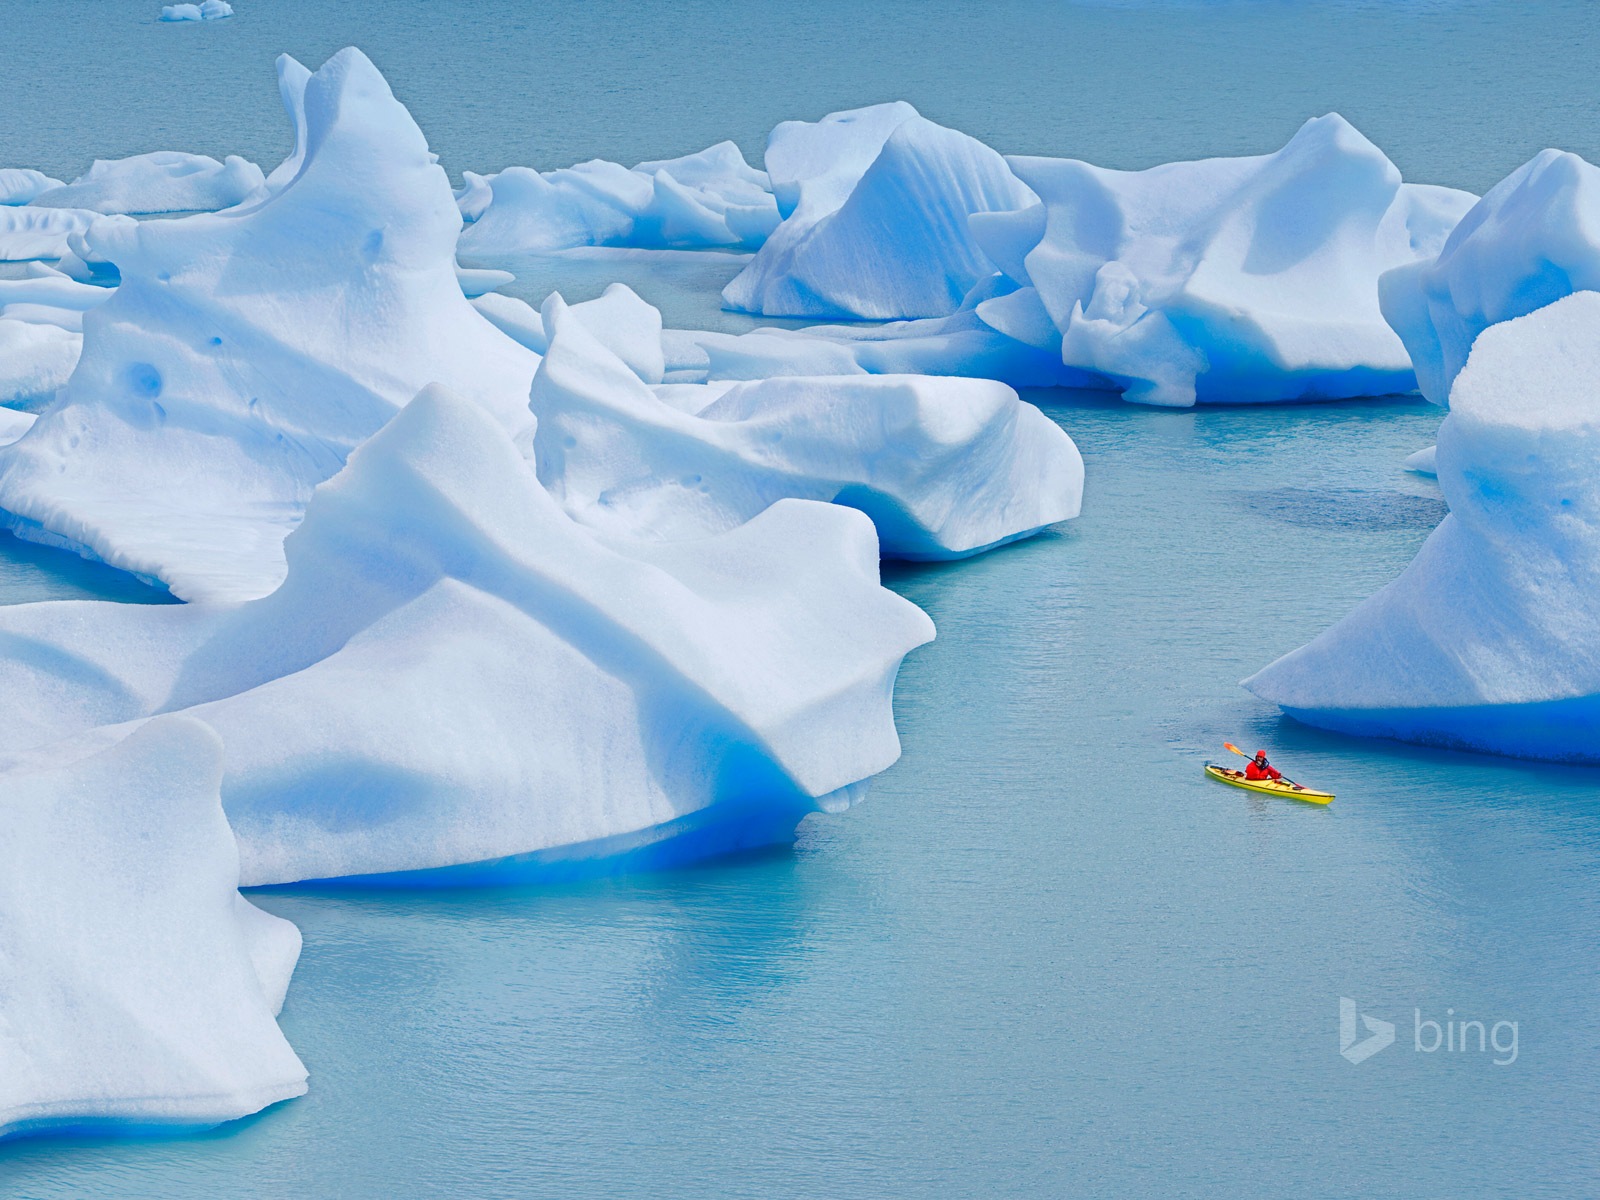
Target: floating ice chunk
{"type": "Point", "coordinates": [140, 986]}
{"type": "Point", "coordinates": [208, 10]}
{"type": "Point", "coordinates": [163, 181]}
{"type": "Point", "coordinates": [1423, 462]}
{"type": "Point", "coordinates": [246, 352]}
{"type": "Point", "coordinates": [944, 467]}
{"type": "Point", "coordinates": [1532, 240]}
{"type": "Point", "coordinates": [1490, 639]}
{"type": "Point", "coordinates": [591, 204]}
{"type": "Point", "coordinates": [713, 198]}
{"type": "Point", "coordinates": [28, 233]}
{"type": "Point", "coordinates": [1230, 280]}
{"type": "Point", "coordinates": [898, 244]}
{"type": "Point", "coordinates": [454, 672]}
{"type": "Point", "coordinates": [19, 185]}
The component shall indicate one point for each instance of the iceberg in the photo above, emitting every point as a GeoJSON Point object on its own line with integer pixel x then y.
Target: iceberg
{"type": "Point", "coordinates": [161, 182]}
{"type": "Point", "coordinates": [945, 468]}
{"type": "Point", "coordinates": [705, 200]}
{"type": "Point", "coordinates": [18, 185]}
{"type": "Point", "coordinates": [455, 674]}
{"type": "Point", "coordinates": [208, 10]}
{"type": "Point", "coordinates": [1422, 462]}
{"type": "Point", "coordinates": [246, 352]}
{"type": "Point", "coordinates": [1534, 238]}
{"type": "Point", "coordinates": [1490, 639]}
{"type": "Point", "coordinates": [1229, 280]}
{"type": "Point", "coordinates": [887, 241]}
{"type": "Point", "coordinates": [141, 988]}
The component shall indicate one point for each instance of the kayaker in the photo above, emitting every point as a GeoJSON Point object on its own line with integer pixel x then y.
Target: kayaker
{"type": "Point", "coordinates": [1259, 768]}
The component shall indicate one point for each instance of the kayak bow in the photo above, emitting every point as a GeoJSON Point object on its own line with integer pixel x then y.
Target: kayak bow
{"type": "Point", "coordinates": [1270, 787]}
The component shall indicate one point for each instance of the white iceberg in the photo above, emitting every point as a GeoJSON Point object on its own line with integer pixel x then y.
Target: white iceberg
{"type": "Point", "coordinates": [140, 987]}
{"type": "Point", "coordinates": [706, 200]}
{"type": "Point", "coordinates": [1534, 238]}
{"type": "Point", "coordinates": [160, 182]}
{"type": "Point", "coordinates": [246, 352]}
{"type": "Point", "coordinates": [879, 228]}
{"type": "Point", "coordinates": [1490, 639]}
{"type": "Point", "coordinates": [944, 467]}
{"type": "Point", "coordinates": [207, 10]}
{"type": "Point", "coordinates": [1229, 280]}
{"type": "Point", "coordinates": [1423, 462]}
{"type": "Point", "coordinates": [18, 185]}
{"type": "Point", "coordinates": [455, 673]}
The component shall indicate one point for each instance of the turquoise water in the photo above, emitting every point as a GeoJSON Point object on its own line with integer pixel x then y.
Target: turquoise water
{"type": "Point", "coordinates": [1045, 957]}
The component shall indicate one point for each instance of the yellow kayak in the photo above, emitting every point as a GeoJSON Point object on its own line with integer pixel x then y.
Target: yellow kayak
{"type": "Point", "coordinates": [1271, 787]}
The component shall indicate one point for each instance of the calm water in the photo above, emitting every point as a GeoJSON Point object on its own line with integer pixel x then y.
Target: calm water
{"type": "Point", "coordinates": [1046, 957]}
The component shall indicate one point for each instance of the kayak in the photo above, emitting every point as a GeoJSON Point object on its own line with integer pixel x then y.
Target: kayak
{"type": "Point", "coordinates": [1270, 787]}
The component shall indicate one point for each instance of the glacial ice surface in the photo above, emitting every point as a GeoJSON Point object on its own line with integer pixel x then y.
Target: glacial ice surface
{"type": "Point", "coordinates": [1490, 639]}
{"type": "Point", "coordinates": [455, 672]}
{"type": "Point", "coordinates": [140, 987]}
{"type": "Point", "coordinates": [160, 182]}
{"type": "Point", "coordinates": [247, 351]}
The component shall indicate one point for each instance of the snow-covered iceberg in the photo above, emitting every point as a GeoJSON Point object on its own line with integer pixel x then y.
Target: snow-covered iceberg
{"type": "Point", "coordinates": [944, 467]}
{"type": "Point", "coordinates": [878, 227]}
{"type": "Point", "coordinates": [1229, 280]}
{"type": "Point", "coordinates": [18, 185]}
{"type": "Point", "coordinates": [712, 199]}
{"type": "Point", "coordinates": [454, 672]}
{"type": "Point", "coordinates": [140, 987]}
{"type": "Point", "coordinates": [1534, 238]}
{"type": "Point", "coordinates": [246, 352]}
{"type": "Point", "coordinates": [160, 182]}
{"type": "Point", "coordinates": [1490, 639]}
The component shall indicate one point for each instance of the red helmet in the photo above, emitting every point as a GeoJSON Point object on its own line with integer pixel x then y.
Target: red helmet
{"type": "Point", "coordinates": [1261, 753]}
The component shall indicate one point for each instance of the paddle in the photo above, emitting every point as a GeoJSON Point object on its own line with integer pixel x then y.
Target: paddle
{"type": "Point", "coordinates": [1242, 754]}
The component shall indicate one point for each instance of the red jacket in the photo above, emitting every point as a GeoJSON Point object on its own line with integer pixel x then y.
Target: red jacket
{"type": "Point", "coordinates": [1261, 771]}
